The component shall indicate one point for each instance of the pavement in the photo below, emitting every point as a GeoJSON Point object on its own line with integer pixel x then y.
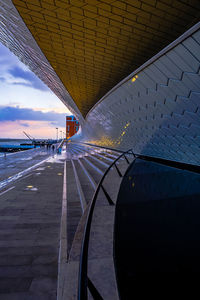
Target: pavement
{"type": "Point", "coordinates": [30, 213]}
{"type": "Point", "coordinates": [17, 162]}
{"type": "Point", "coordinates": [43, 197]}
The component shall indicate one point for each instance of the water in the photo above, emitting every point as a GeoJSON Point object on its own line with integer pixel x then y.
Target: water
{"type": "Point", "coordinates": [12, 142]}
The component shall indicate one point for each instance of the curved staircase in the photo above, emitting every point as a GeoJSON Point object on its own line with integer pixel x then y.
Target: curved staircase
{"type": "Point", "coordinates": [85, 166]}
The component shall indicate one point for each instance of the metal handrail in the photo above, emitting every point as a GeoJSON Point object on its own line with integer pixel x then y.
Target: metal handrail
{"type": "Point", "coordinates": [164, 161]}
{"type": "Point", "coordinates": [98, 146]}
{"type": "Point", "coordinates": [84, 282]}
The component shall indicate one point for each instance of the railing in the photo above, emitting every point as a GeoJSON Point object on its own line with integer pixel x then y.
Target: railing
{"type": "Point", "coordinates": [59, 148]}
{"type": "Point", "coordinates": [98, 146]}
{"type": "Point", "coordinates": [163, 161]}
{"type": "Point", "coordinates": [84, 282]}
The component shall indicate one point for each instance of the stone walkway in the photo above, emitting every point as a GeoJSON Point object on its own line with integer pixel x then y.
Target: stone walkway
{"type": "Point", "coordinates": [29, 235]}
{"type": "Point", "coordinates": [20, 161]}
{"type": "Point", "coordinates": [31, 207]}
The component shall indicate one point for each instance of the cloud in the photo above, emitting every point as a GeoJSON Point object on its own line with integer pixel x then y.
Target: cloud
{"type": "Point", "coordinates": [37, 129]}
{"type": "Point", "coordinates": [24, 124]}
{"type": "Point", "coordinates": [2, 79]}
{"type": "Point", "coordinates": [29, 78]}
{"type": "Point", "coordinates": [8, 113]}
{"type": "Point", "coordinates": [15, 73]}
{"type": "Point", "coordinates": [20, 87]}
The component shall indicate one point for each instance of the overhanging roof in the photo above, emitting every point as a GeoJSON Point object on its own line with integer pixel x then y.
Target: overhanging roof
{"type": "Point", "coordinates": [92, 45]}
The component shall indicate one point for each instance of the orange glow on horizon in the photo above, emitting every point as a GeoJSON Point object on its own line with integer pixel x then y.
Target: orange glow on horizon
{"type": "Point", "coordinates": [37, 129]}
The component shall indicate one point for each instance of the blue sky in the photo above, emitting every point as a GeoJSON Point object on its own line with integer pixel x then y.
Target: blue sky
{"type": "Point", "coordinates": [26, 103]}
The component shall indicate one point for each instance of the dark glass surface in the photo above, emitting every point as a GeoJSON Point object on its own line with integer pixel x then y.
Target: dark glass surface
{"type": "Point", "coordinates": [157, 227]}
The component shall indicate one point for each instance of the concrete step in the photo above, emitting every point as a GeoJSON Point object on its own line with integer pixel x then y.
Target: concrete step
{"type": "Point", "coordinates": [105, 157]}
{"type": "Point", "coordinates": [68, 290]}
{"type": "Point", "coordinates": [97, 162]}
{"type": "Point", "coordinates": [93, 171]}
{"type": "Point", "coordinates": [74, 209]}
{"type": "Point", "coordinates": [90, 169]}
{"type": "Point", "coordinates": [111, 154]}
{"type": "Point", "coordinates": [84, 171]}
{"type": "Point", "coordinates": [93, 165]}
{"type": "Point", "coordinates": [78, 151]}
{"type": "Point", "coordinates": [96, 148]}
{"type": "Point", "coordinates": [90, 178]}
{"type": "Point", "coordinates": [79, 188]}
{"type": "Point", "coordinates": [87, 187]}
{"type": "Point", "coordinates": [102, 159]}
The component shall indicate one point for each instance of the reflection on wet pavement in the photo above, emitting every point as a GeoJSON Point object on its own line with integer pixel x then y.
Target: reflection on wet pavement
{"type": "Point", "coordinates": [31, 188]}
{"type": "Point", "coordinates": [15, 166]}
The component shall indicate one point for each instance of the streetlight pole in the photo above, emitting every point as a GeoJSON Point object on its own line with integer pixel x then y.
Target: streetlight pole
{"type": "Point", "coordinates": [56, 134]}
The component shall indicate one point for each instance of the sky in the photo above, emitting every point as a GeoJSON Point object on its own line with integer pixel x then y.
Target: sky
{"type": "Point", "coordinates": [26, 103]}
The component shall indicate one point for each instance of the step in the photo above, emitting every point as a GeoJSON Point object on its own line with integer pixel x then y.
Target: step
{"type": "Point", "coordinates": [87, 187]}
{"type": "Point", "coordinates": [79, 188]}
{"type": "Point", "coordinates": [106, 157]}
{"type": "Point", "coordinates": [78, 151]}
{"type": "Point", "coordinates": [93, 171]}
{"type": "Point", "coordinates": [97, 162]}
{"type": "Point", "coordinates": [99, 159]}
{"type": "Point", "coordinates": [71, 268]}
{"type": "Point", "coordinates": [93, 183]}
{"type": "Point", "coordinates": [111, 154]}
{"type": "Point", "coordinates": [74, 210]}
{"type": "Point", "coordinates": [90, 170]}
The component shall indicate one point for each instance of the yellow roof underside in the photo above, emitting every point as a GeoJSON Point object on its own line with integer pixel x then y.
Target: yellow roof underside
{"type": "Point", "coordinates": [92, 45]}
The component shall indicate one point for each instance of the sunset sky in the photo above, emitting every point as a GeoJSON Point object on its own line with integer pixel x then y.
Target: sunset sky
{"type": "Point", "coordinates": [26, 104]}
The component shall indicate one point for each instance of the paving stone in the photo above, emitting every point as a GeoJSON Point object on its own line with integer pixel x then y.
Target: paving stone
{"type": "Point", "coordinates": [28, 296]}
{"type": "Point", "coordinates": [45, 259]}
{"type": "Point", "coordinates": [30, 232]}
{"type": "Point", "coordinates": [35, 250]}
{"type": "Point", "coordinates": [9, 285]}
{"type": "Point", "coordinates": [14, 236]}
{"type": "Point", "coordinates": [43, 284]}
{"type": "Point", "coordinates": [29, 239]}
{"type": "Point", "coordinates": [15, 260]}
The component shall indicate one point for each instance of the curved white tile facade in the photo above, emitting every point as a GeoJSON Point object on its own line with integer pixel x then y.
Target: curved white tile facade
{"type": "Point", "coordinates": [156, 111]}
{"type": "Point", "coordinates": [15, 35]}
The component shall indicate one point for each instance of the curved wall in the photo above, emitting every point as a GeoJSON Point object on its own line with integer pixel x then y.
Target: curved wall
{"type": "Point", "coordinates": [156, 110]}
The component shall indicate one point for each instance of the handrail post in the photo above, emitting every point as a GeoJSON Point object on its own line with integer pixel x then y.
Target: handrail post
{"type": "Point", "coordinates": [95, 294]}
{"type": "Point", "coordinates": [107, 196]}
{"type": "Point", "coordinates": [126, 159]}
{"type": "Point", "coordinates": [118, 171]}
